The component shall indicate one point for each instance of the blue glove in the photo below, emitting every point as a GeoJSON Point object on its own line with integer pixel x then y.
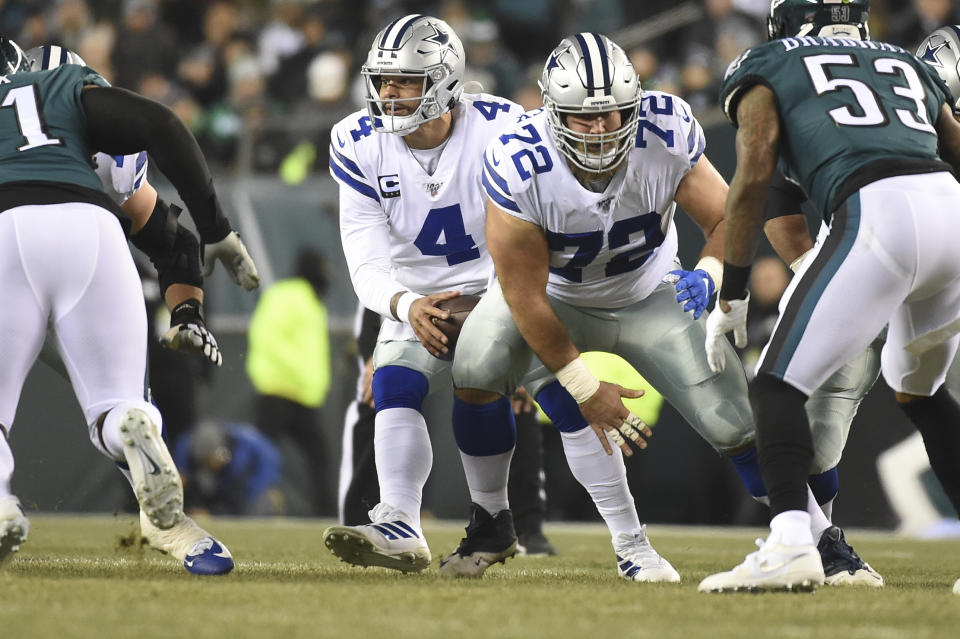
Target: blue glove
{"type": "Point", "coordinates": [694, 290]}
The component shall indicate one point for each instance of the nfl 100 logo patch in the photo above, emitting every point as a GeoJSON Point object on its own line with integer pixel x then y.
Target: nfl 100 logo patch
{"type": "Point", "coordinates": [432, 188]}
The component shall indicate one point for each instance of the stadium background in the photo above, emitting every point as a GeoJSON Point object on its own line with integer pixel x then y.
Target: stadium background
{"type": "Point", "coordinates": [260, 82]}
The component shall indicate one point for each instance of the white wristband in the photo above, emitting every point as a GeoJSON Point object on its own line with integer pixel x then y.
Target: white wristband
{"type": "Point", "coordinates": [578, 380]}
{"type": "Point", "coordinates": [403, 305]}
{"type": "Point", "coordinates": [797, 263]}
{"type": "Point", "coordinates": [713, 267]}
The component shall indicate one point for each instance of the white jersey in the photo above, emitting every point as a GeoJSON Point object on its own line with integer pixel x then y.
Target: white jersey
{"type": "Point", "coordinates": [121, 175]}
{"type": "Point", "coordinates": [609, 249]}
{"type": "Point", "coordinates": [404, 229]}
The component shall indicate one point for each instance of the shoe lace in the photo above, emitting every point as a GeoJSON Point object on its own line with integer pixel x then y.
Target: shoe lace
{"type": "Point", "coordinates": [837, 554]}
{"type": "Point", "coordinates": [636, 547]}
{"type": "Point", "coordinates": [385, 512]}
{"type": "Point", "coordinates": [201, 546]}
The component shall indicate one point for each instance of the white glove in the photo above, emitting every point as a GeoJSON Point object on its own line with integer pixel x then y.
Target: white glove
{"type": "Point", "coordinates": [189, 334]}
{"type": "Point", "coordinates": [719, 324]}
{"type": "Point", "coordinates": [231, 251]}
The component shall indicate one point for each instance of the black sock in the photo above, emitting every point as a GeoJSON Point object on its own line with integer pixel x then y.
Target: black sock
{"type": "Point", "coordinates": [938, 419]}
{"type": "Point", "coordinates": [784, 443]}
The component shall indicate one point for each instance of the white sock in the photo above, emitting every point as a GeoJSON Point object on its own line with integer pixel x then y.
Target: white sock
{"type": "Point", "coordinates": [604, 477]}
{"type": "Point", "coordinates": [404, 457]}
{"type": "Point", "coordinates": [818, 521]}
{"type": "Point", "coordinates": [827, 509]}
{"type": "Point", "coordinates": [6, 466]}
{"type": "Point", "coordinates": [110, 433]}
{"type": "Point", "coordinates": [487, 479]}
{"type": "Point", "coordinates": [791, 527]}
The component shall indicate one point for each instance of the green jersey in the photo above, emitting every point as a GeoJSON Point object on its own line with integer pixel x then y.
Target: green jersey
{"type": "Point", "coordinates": [851, 111]}
{"type": "Point", "coordinates": [43, 128]}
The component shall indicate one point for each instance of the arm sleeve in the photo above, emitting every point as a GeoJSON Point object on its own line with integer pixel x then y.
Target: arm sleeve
{"type": "Point", "coordinates": [120, 122]}
{"type": "Point", "coordinates": [366, 246]}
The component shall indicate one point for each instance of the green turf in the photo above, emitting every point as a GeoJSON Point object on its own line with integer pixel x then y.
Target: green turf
{"type": "Point", "coordinates": [87, 577]}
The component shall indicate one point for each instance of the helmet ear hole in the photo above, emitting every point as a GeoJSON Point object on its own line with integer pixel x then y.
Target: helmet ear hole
{"type": "Point", "coordinates": [415, 46]}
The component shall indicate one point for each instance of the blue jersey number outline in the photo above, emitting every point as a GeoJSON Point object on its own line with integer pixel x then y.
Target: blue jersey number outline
{"type": "Point", "coordinates": [645, 125]}
{"type": "Point", "coordinates": [532, 138]}
{"type": "Point", "coordinates": [491, 109]}
{"type": "Point", "coordinates": [590, 243]}
{"type": "Point", "coordinates": [447, 221]}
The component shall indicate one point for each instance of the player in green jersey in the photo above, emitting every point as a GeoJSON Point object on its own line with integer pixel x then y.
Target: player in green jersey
{"type": "Point", "coordinates": [862, 126]}
{"type": "Point", "coordinates": [64, 263]}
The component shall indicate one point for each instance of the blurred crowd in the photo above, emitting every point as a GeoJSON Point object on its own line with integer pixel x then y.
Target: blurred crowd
{"type": "Point", "coordinates": [261, 81]}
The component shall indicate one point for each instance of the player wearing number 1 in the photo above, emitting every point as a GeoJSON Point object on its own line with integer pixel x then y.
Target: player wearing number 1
{"type": "Point", "coordinates": [65, 265]}
{"type": "Point", "coordinates": [411, 223]}
{"type": "Point", "coordinates": [859, 124]}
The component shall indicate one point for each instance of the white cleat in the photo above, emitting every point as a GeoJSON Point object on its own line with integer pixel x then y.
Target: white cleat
{"type": "Point", "coordinates": [638, 561]}
{"type": "Point", "coordinates": [956, 587]}
{"type": "Point", "coordinates": [199, 551]}
{"type": "Point", "coordinates": [773, 567]}
{"type": "Point", "coordinates": [14, 526]}
{"type": "Point", "coordinates": [389, 541]}
{"type": "Point", "coordinates": [155, 477]}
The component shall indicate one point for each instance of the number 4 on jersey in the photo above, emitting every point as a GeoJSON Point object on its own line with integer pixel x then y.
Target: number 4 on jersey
{"type": "Point", "coordinates": [446, 223]}
{"type": "Point", "coordinates": [490, 109]}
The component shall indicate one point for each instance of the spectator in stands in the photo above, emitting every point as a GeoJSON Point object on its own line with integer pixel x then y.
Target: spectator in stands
{"type": "Point", "coordinates": [229, 468]}
{"type": "Point", "coordinates": [913, 23]}
{"type": "Point", "coordinates": [288, 361]}
{"type": "Point", "coordinates": [144, 45]}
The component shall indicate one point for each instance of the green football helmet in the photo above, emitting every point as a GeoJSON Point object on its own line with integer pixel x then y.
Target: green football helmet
{"type": "Point", "coordinates": [12, 58]}
{"type": "Point", "coordinates": [828, 18]}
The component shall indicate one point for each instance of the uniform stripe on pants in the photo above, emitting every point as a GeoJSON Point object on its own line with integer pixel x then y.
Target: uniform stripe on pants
{"type": "Point", "coordinates": [795, 317]}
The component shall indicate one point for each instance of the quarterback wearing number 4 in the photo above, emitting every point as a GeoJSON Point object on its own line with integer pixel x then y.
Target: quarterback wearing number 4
{"type": "Point", "coordinates": [862, 127]}
{"type": "Point", "coordinates": [411, 223]}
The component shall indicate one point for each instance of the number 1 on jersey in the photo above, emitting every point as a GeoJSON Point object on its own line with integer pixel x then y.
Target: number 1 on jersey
{"type": "Point", "coordinates": [24, 101]}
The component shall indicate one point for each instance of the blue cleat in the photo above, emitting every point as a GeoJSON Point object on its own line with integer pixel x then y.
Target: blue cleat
{"type": "Point", "coordinates": [199, 551]}
{"type": "Point", "coordinates": [208, 557]}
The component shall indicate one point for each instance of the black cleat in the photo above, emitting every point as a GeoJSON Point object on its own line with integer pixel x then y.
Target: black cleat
{"type": "Point", "coordinates": [534, 545]}
{"type": "Point", "coordinates": [490, 539]}
{"type": "Point", "coordinates": [841, 563]}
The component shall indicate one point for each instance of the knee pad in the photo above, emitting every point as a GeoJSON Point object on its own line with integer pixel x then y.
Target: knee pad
{"type": "Point", "coordinates": [482, 430]}
{"type": "Point", "coordinates": [399, 387]}
{"type": "Point", "coordinates": [561, 408]}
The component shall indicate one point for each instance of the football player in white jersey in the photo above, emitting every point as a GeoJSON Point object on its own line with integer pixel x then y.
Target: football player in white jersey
{"type": "Point", "coordinates": [174, 250]}
{"type": "Point", "coordinates": [582, 195]}
{"type": "Point", "coordinates": [411, 224]}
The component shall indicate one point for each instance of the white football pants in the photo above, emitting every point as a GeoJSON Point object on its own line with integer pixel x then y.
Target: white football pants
{"type": "Point", "coordinates": [68, 266]}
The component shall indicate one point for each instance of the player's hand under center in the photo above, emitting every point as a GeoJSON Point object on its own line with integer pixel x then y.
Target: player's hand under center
{"type": "Point", "coordinates": [422, 312]}
{"type": "Point", "coordinates": [606, 414]}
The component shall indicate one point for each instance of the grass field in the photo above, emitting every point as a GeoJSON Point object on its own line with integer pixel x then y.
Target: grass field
{"type": "Point", "coordinates": [82, 577]}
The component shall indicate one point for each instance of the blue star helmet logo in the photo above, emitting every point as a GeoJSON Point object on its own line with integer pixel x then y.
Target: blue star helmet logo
{"type": "Point", "coordinates": [553, 63]}
{"type": "Point", "coordinates": [929, 54]}
{"type": "Point", "coordinates": [440, 37]}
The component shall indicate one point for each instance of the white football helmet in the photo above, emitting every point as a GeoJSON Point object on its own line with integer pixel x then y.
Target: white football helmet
{"type": "Point", "coordinates": [588, 73]}
{"type": "Point", "coordinates": [941, 50]}
{"type": "Point", "coordinates": [418, 46]}
{"type": "Point", "coordinates": [50, 56]}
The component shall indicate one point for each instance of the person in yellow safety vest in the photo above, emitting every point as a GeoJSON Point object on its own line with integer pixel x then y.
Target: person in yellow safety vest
{"type": "Point", "coordinates": [288, 362]}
